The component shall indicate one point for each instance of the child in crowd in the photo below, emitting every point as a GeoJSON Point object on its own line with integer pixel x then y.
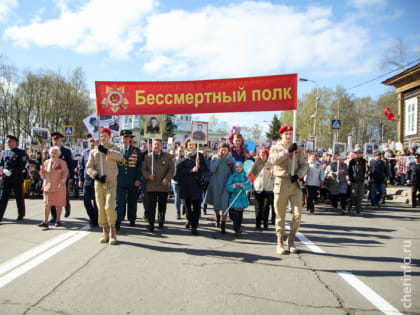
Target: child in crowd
{"type": "Point", "coordinates": [35, 187]}
{"type": "Point", "coordinates": [235, 132]}
{"type": "Point", "coordinates": [238, 183]}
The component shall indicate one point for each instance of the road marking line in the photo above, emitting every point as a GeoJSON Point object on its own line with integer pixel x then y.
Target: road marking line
{"type": "Point", "coordinates": [33, 262]}
{"type": "Point", "coordinates": [368, 293]}
{"type": "Point", "coordinates": [18, 260]}
{"type": "Point", "coordinates": [308, 243]}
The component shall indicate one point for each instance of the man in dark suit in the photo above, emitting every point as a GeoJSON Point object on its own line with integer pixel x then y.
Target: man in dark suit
{"type": "Point", "coordinates": [13, 163]}
{"type": "Point", "coordinates": [57, 140]}
{"type": "Point", "coordinates": [414, 179]}
{"type": "Point", "coordinates": [88, 184]}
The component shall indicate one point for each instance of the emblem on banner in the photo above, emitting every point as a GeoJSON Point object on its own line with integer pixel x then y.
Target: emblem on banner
{"type": "Point", "coordinates": [115, 98]}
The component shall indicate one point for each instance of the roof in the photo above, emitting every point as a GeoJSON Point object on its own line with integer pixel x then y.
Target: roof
{"type": "Point", "coordinates": [407, 76]}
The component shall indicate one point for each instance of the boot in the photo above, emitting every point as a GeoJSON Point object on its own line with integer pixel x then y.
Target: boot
{"type": "Point", "coordinates": [105, 237]}
{"type": "Point", "coordinates": [291, 243]}
{"type": "Point", "coordinates": [218, 220]}
{"type": "Point", "coordinates": [223, 227]}
{"type": "Point", "coordinates": [280, 248]}
{"type": "Point", "coordinates": [112, 238]}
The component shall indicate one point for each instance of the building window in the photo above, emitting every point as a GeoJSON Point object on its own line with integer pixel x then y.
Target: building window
{"type": "Point", "coordinates": [411, 116]}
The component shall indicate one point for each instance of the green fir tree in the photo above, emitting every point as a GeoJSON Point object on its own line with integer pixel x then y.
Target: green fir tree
{"type": "Point", "coordinates": [275, 126]}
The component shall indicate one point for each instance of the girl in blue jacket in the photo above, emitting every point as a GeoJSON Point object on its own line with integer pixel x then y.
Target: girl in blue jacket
{"type": "Point", "coordinates": [238, 183]}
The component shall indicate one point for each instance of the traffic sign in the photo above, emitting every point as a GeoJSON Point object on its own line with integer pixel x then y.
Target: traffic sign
{"type": "Point", "coordinates": [68, 131]}
{"type": "Point", "coordinates": [336, 124]}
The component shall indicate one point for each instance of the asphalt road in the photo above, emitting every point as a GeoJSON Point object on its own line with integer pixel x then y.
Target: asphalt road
{"type": "Point", "coordinates": [347, 264]}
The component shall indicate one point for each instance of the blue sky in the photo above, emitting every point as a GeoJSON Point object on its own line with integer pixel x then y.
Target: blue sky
{"type": "Point", "coordinates": [330, 42]}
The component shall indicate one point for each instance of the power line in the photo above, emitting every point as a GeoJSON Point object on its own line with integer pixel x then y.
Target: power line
{"type": "Point", "coordinates": [384, 74]}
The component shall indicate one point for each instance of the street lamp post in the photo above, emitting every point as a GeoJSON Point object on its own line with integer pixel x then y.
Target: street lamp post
{"type": "Point", "coordinates": [316, 101]}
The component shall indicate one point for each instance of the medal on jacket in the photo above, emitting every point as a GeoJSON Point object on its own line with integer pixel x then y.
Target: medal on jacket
{"type": "Point", "coordinates": [163, 163]}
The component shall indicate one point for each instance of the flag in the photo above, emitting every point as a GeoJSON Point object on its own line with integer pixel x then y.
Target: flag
{"type": "Point", "coordinates": [389, 114]}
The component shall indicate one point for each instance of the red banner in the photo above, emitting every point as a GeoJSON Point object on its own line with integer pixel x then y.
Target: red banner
{"type": "Point", "coordinates": [268, 93]}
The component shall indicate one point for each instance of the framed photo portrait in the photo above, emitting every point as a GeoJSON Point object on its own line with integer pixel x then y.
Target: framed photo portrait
{"type": "Point", "coordinates": [339, 150]}
{"type": "Point", "coordinates": [302, 143]}
{"type": "Point", "coordinates": [309, 146]}
{"type": "Point", "coordinates": [314, 139]}
{"type": "Point", "coordinates": [214, 145]}
{"type": "Point", "coordinates": [369, 150]}
{"type": "Point", "coordinates": [153, 126]}
{"type": "Point", "coordinates": [41, 134]}
{"type": "Point", "coordinates": [199, 132]}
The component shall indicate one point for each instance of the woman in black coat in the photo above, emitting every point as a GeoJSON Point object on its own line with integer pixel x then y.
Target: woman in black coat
{"type": "Point", "coordinates": [189, 174]}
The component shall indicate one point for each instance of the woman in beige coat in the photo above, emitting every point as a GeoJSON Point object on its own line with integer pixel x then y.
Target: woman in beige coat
{"type": "Point", "coordinates": [55, 172]}
{"type": "Point", "coordinates": [102, 166]}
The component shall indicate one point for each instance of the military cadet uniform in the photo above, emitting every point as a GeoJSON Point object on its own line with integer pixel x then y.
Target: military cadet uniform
{"type": "Point", "coordinates": [68, 158]}
{"type": "Point", "coordinates": [105, 192]}
{"type": "Point", "coordinates": [13, 163]}
{"type": "Point", "coordinates": [286, 186]}
{"type": "Point", "coordinates": [129, 171]}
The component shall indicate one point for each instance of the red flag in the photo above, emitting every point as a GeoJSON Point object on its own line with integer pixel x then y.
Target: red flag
{"type": "Point", "coordinates": [389, 114]}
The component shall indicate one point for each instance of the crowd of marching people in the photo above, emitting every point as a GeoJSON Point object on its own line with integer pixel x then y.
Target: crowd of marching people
{"type": "Point", "coordinates": [113, 178]}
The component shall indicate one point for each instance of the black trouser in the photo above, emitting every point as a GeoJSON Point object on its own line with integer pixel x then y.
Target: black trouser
{"type": "Point", "coordinates": [236, 216]}
{"type": "Point", "coordinates": [263, 201]}
{"type": "Point", "coordinates": [6, 189]}
{"type": "Point", "coordinates": [91, 207]}
{"type": "Point", "coordinates": [126, 202]}
{"type": "Point", "coordinates": [161, 199]}
{"type": "Point", "coordinates": [323, 192]}
{"type": "Point", "coordinates": [54, 211]}
{"type": "Point", "coordinates": [336, 197]}
{"type": "Point", "coordinates": [414, 195]}
{"type": "Point", "coordinates": [145, 196]}
{"type": "Point", "coordinates": [357, 192]}
{"type": "Point", "coordinates": [193, 208]}
{"type": "Point", "coordinates": [312, 191]}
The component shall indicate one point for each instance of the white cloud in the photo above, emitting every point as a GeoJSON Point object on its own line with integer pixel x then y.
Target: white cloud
{"type": "Point", "coordinates": [248, 39]}
{"type": "Point", "coordinates": [6, 6]}
{"type": "Point", "coordinates": [99, 25]}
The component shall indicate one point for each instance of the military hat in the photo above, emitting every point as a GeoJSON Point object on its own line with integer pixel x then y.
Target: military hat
{"type": "Point", "coordinates": [285, 128]}
{"type": "Point", "coordinates": [126, 133]}
{"type": "Point", "coordinates": [11, 137]}
{"type": "Point", "coordinates": [56, 135]}
{"type": "Point", "coordinates": [89, 135]}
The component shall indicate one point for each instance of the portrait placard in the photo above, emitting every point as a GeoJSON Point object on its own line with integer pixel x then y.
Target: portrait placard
{"type": "Point", "coordinates": [339, 150]}
{"type": "Point", "coordinates": [199, 132]}
{"type": "Point", "coordinates": [369, 149]}
{"type": "Point", "coordinates": [153, 126]}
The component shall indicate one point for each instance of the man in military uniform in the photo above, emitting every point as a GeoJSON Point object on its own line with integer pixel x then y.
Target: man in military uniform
{"type": "Point", "coordinates": [286, 186]}
{"type": "Point", "coordinates": [128, 180]}
{"type": "Point", "coordinates": [13, 162]}
{"type": "Point", "coordinates": [199, 135]}
{"type": "Point", "coordinates": [88, 184]}
{"type": "Point", "coordinates": [158, 168]}
{"type": "Point", "coordinates": [57, 139]}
